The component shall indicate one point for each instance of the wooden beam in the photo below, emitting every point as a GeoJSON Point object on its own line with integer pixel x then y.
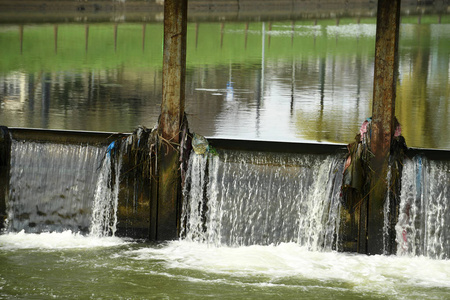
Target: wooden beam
{"type": "Point", "coordinates": [170, 122]}
{"type": "Point", "coordinates": [383, 115]}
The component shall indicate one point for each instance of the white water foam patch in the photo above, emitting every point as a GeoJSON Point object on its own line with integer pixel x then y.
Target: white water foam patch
{"type": "Point", "coordinates": [55, 240]}
{"type": "Point", "coordinates": [423, 226]}
{"type": "Point", "coordinates": [385, 275]}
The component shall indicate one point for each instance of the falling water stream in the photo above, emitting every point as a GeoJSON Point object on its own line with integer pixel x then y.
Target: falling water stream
{"type": "Point", "coordinates": [262, 199]}
{"type": "Point", "coordinates": [51, 186]}
{"type": "Point", "coordinates": [424, 221]}
{"type": "Point", "coordinates": [255, 225]}
{"type": "Point", "coordinates": [106, 198]}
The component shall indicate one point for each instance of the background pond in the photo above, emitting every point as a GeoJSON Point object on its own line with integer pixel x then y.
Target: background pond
{"type": "Point", "coordinates": [308, 80]}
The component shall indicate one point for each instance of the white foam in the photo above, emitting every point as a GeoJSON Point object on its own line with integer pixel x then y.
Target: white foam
{"type": "Point", "coordinates": [388, 275]}
{"type": "Point", "coordinates": [53, 240]}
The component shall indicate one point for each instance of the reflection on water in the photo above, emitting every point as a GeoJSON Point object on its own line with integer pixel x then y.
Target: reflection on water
{"type": "Point", "coordinates": [291, 81]}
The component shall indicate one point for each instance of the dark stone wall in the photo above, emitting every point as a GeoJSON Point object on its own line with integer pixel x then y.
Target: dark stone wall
{"type": "Point", "coordinates": [5, 154]}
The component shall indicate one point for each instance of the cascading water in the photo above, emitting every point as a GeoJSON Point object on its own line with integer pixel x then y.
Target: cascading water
{"type": "Point", "coordinates": [106, 198]}
{"type": "Point", "coordinates": [56, 187]}
{"type": "Point", "coordinates": [423, 226]}
{"type": "Point", "coordinates": [243, 198]}
{"type": "Point", "coordinates": [52, 186]}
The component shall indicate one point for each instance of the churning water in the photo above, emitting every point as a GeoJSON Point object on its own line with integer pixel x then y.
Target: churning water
{"type": "Point", "coordinates": [68, 265]}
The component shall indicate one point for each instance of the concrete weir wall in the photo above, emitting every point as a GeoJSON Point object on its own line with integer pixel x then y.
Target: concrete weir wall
{"type": "Point", "coordinates": [138, 208]}
{"type": "Point", "coordinates": [137, 184]}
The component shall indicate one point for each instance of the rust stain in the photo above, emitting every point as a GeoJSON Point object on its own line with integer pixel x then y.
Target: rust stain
{"type": "Point", "coordinates": [386, 57]}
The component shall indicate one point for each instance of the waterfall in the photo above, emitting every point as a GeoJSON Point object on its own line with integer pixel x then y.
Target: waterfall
{"type": "Point", "coordinates": [58, 187]}
{"type": "Point", "coordinates": [386, 213]}
{"type": "Point", "coordinates": [245, 198]}
{"type": "Point", "coordinates": [106, 198]}
{"type": "Point", "coordinates": [423, 226]}
{"type": "Point", "coordinates": [51, 186]}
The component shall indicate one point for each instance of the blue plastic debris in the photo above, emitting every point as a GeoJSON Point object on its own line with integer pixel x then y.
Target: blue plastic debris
{"type": "Point", "coordinates": [110, 148]}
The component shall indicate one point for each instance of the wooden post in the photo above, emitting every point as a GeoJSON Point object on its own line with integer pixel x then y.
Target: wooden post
{"type": "Point", "coordinates": [115, 37]}
{"type": "Point", "coordinates": [143, 36]}
{"type": "Point", "coordinates": [383, 115]}
{"type": "Point", "coordinates": [222, 29]}
{"type": "Point", "coordinates": [170, 122]}
{"type": "Point", "coordinates": [246, 35]}
{"type": "Point", "coordinates": [55, 35]}
{"type": "Point", "coordinates": [197, 25]}
{"type": "Point", "coordinates": [86, 38]}
{"type": "Point", "coordinates": [21, 38]}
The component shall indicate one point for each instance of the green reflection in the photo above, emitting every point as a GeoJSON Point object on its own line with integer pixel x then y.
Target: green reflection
{"type": "Point", "coordinates": [312, 80]}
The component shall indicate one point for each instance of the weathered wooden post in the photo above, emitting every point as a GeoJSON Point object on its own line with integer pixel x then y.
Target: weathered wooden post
{"type": "Point", "coordinates": [21, 38]}
{"type": "Point", "coordinates": [86, 38]}
{"type": "Point", "coordinates": [143, 36]}
{"type": "Point", "coordinates": [55, 36]}
{"type": "Point", "coordinates": [171, 118]}
{"type": "Point", "coordinates": [383, 115]}
{"type": "Point", "coordinates": [115, 36]}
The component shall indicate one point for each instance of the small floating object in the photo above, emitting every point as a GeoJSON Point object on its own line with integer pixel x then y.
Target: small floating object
{"type": "Point", "coordinates": [200, 144]}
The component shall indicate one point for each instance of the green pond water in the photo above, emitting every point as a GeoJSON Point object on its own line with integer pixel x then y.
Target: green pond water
{"type": "Point", "coordinates": [304, 80]}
